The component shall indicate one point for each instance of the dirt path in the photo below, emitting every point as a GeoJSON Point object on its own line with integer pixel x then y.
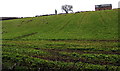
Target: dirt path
{"type": "Point", "coordinates": [78, 51]}
{"type": "Point", "coordinates": [26, 35]}
{"type": "Point", "coordinates": [56, 56]}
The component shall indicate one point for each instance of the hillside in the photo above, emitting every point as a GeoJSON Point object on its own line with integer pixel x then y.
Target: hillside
{"type": "Point", "coordinates": [86, 25]}
{"type": "Point", "coordinates": [86, 41]}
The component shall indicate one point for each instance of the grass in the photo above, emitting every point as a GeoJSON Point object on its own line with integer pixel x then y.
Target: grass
{"type": "Point", "coordinates": [68, 42]}
{"type": "Point", "coordinates": [88, 25]}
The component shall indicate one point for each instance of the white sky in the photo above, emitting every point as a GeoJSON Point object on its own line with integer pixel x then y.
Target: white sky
{"type": "Point", "coordinates": [30, 8]}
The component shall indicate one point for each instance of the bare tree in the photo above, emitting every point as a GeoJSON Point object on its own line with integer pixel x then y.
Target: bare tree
{"type": "Point", "coordinates": [67, 8]}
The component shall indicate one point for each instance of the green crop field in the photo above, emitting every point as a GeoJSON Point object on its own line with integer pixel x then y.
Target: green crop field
{"type": "Point", "coordinates": [67, 42]}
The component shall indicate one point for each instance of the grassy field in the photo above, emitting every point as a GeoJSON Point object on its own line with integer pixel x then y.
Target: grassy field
{"type": "Point", "coordinates": [86, 41]}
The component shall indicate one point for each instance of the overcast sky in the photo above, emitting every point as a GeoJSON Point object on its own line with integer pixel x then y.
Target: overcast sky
{"type": "Point", "coordinates": [30, 8]}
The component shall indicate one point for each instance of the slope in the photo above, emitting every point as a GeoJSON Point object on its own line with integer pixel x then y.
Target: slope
{"type": "Point", "coordinates": [96, 25]}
